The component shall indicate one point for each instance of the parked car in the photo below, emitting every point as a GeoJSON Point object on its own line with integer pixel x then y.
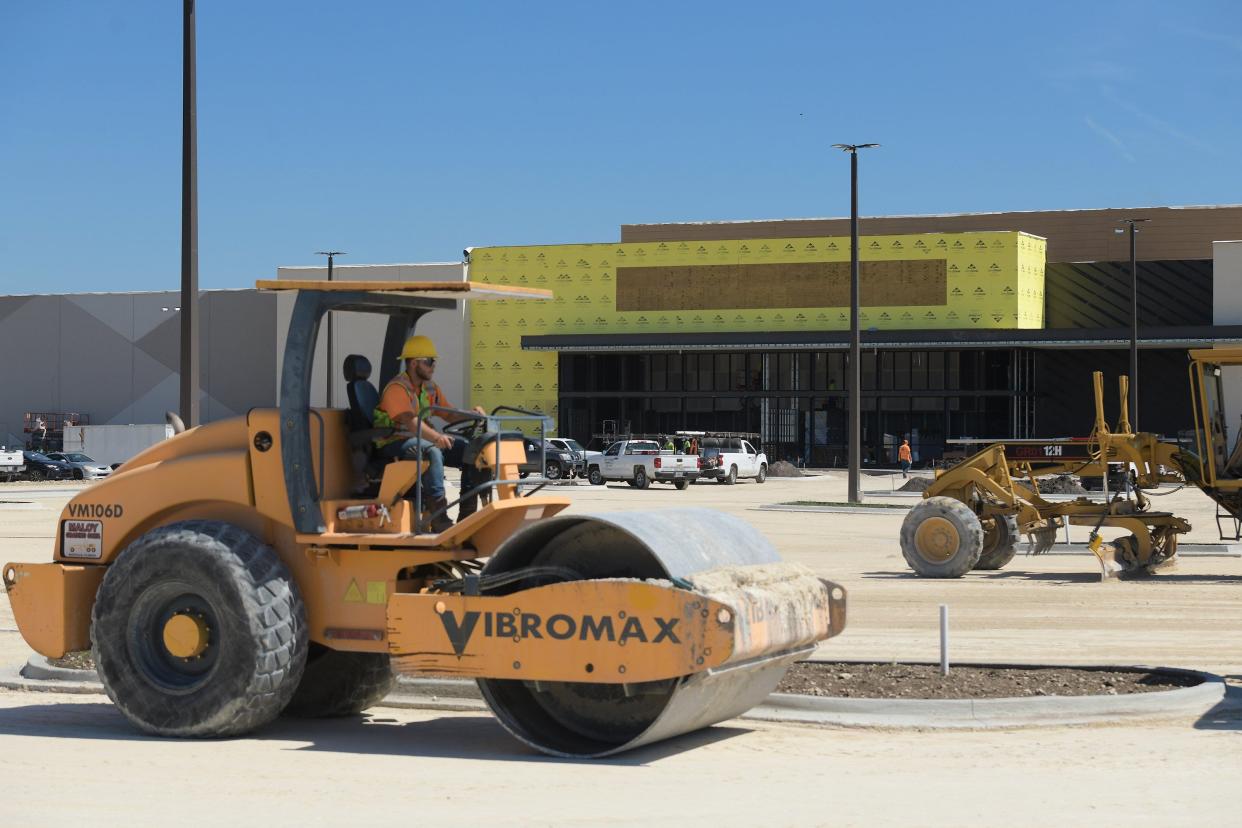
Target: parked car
{"type": "Point", "coordinates": [728, 460]}
{"type": "Point", "coordinates": [576, 454]}
{"type": "Point", "coordinates": [641, 463]}
{"type": "Point", "coordinates": [82, 467]}
{"type": "Point", "coordinates": [41, 467]}
{"type": "Point", "coordinates": [561, 463]}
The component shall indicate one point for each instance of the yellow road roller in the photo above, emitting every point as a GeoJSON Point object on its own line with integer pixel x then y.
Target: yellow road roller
{"type": "Point", "coordinates": [271, 564]}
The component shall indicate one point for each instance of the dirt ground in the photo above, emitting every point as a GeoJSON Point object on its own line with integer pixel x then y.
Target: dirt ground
{"type": "Point", "coordinates": [923, 681]}
{"type": "Point", "coordinates": [442, 768]}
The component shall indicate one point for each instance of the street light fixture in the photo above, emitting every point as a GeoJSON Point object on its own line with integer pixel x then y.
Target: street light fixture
{"type": "Point", "coordinates": [855, 375]}
{"type": "Point", "coordinates": [331, 254]}
{"type": "Point", "coordinates": [189, 222]}
{"type": "Point", "coordinates": [1132, 224]}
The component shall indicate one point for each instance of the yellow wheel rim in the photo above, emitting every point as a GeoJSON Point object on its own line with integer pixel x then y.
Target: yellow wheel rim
{"type": "Point", "coordinates": [185, 636]}
{"type": "Point", "coordinates": [937, 539]}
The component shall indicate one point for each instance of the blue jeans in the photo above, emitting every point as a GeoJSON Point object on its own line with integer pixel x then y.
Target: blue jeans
{"type": "Point", "coordinates": [433, 478]}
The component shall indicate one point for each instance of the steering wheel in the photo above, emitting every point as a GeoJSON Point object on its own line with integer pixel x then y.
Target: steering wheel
{"type": "Point", "coordinates": [464, 428]}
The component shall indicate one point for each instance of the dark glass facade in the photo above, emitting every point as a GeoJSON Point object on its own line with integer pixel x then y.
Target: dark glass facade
{"type": "Point", "coordinates": [796, 400]}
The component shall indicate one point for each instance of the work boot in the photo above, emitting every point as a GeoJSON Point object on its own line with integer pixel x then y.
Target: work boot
{"type": "Point", "coordinates": [442, 521]}
{"type": "Point", "coordinates": [470, 505]}
{"type": "Point", "coordinates": [467, 507]}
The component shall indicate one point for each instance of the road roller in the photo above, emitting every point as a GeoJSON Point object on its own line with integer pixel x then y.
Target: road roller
{"type": "Point", "coordinates": [272, 564]}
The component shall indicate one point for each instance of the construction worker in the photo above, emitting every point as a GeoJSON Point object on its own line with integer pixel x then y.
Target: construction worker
{"type": "Point", "coordinates": [903, 456]}
{"type": "Point", "coordinates": [408, 395]}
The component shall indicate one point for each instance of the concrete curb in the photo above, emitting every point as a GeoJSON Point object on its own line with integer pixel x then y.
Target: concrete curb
{"type": "Point", "coordinates": [462, 695]}
{"type": "Point", "coordinates": [44, 678]}
{"type": "Point", "coordinates": [984, 714]}
{"type": "Point", "coordinates": [887, 509]}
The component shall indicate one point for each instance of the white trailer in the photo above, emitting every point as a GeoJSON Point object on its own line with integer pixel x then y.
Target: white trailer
{"type": "Point", "coordinates": [109, 444]}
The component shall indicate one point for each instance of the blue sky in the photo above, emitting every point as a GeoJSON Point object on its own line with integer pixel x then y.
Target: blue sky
{"type": "Point", "coordinates": [405, 131]}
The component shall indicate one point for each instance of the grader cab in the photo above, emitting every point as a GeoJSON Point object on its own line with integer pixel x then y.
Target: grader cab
{"type": "Point", "coordinates": [241, 569]}
{"type": "Point", "coordinates": [974, 514]}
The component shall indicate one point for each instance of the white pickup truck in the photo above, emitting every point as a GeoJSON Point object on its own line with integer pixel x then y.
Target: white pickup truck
{"type": "Point", "coordinates": [733, 460]}
{"type": "Point", "coordinates": [12, 463]}
{"type": "Point", "coordinates": [641, 463]}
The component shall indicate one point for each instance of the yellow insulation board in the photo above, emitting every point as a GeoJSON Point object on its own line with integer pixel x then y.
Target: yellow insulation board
{"type": "Point", "coordinates": [975, 281]}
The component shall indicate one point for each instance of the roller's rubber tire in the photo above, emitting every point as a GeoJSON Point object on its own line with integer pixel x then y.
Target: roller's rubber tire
{"type": "Point", "coordinates": [763, 473]}
{"type": "Point", "coordinates": [941, 538]}
{"type": "Point", "coordinates": [681, 485]}
{"type": "Point", "coordinates": [731, 477]}
{"type": "Point", "coordinates": [554, 471]}
{"type": "Point", "coordinates": [341, 684]}
{"type": "Point", "coordinates": [1000, 542]}
{"type": "Point", "coordinates": [640, 478]}
{"type": "Point", "coordinates": [595, 476]}
{"type": "Point", "coordinates": [256, 631]}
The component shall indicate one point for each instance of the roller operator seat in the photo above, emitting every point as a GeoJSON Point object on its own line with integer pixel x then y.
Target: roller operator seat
{"type": "Point", "coordinates": [363, 398]}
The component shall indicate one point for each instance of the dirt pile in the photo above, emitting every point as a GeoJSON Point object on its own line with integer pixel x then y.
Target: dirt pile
{"type": "Point", "coordinates": [783, 468]}
{"type": "Point", "coordinates": [1061, 484]}
{"type": "Point", "coordinates": [923, 681]}
{"type": "Point", "coordinates": [916, 484]}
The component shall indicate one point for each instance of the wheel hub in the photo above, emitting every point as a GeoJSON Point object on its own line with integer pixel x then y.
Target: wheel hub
{"type": "Point", "coordinates": [186, 635]}
{"type": "Point", "coordinates": [937, 539]}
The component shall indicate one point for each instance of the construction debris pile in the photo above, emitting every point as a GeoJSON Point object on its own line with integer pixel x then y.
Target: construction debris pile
{"type": "Point", "coordinates": [783, 468]}
{"type": "Point", "coordinates": [1061, 484]}
{"type": "Point", "coordinates": [916, 484]}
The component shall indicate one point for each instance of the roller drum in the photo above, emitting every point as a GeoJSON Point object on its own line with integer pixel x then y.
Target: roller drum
{"type": "Point", "coordinates": [594, 720]}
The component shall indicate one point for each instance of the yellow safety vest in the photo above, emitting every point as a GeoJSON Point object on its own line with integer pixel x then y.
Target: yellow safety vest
{"type": "Point", "coordinates": [380, 417]}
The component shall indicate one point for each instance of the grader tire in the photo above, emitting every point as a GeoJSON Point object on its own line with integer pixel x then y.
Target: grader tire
{"type": "Point", "coordinates": [341, 684]}
{"type": "Point", "coordinates": [1000, 542]}
{"type": "Point", "coordinates": [941, 538]}
{"type": "Point", "coordinates": [251, 640]}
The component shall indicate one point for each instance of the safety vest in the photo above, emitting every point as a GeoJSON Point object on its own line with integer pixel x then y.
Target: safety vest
{"type": "Point", "coordinates": [380, 417]}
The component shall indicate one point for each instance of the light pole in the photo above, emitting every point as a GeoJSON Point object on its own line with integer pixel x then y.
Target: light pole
{"type": "Point", "coordinates": [855, 375]}
{"type": "Point", "coordinates": [331, 254]}
{"type": "Point", "coordinates": [189, 223]}
{"type": "Point", "coordinates": [1133, 404]}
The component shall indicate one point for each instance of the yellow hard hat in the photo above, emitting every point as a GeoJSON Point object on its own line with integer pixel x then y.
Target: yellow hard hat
{"type": "Point", "coordinates": [418, 347]}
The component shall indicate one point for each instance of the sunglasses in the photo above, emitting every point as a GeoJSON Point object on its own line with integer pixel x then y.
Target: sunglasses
{"type": "Point", "coordinates": [428, 361]}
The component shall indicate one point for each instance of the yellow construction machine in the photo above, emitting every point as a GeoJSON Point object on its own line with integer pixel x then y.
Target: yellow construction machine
{"type": "Point", "coordinates": [974, 513]}
{"type": "Point", "coordinates": [246, 568]}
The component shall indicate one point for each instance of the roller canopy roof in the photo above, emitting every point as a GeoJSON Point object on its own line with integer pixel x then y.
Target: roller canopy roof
{"type": "Point", "coordinates": [434, 290]}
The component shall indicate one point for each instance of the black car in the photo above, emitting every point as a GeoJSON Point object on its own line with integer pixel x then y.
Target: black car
{"type": "Point", "coordinates": [560, 463]}
{"type": "Point", "coordinates": [41, 467]}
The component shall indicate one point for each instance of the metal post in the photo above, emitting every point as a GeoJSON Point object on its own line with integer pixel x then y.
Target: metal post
{"type": "Point", "coordinates": [328, 395]}
{"type": "Point", "coordinates": [1133, 229]}
{"type": "Point", "coordinates": [189, 225]}
{"type": "Point", "coordinates": [944, 639]}
{"type": "Point", "coordinates": [1133, 335]}
{"type": "Point", "coordinates": [855, 367]}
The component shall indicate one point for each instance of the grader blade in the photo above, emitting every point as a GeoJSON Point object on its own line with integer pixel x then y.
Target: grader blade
{"type": "Point", "coordinates": [655, 624]}
{"type": "Point", "coordinates": [1106, 554]}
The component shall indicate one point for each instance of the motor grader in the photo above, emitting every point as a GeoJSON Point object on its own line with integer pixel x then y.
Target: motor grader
{"type": "Point", "coordinates": [246, 568]}
{"type": "Point", "coordinates": [973, 514]}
